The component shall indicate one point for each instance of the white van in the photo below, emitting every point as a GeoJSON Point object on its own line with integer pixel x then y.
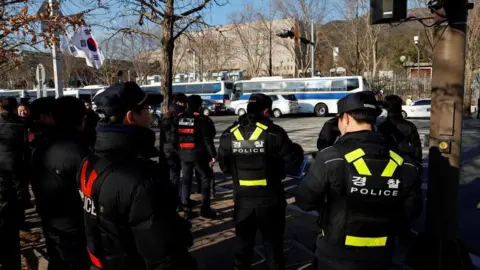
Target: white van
{"type": "Point", "coordinates": [282, 105]}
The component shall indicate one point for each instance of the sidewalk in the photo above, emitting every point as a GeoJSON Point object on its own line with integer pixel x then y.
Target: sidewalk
{"type": "Point", "coordinates": [214, 240]}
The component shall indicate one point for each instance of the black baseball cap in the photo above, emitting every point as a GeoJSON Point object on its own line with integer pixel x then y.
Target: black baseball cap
{"type": "Point", "coordinates": [120, 98]}
{"type": "Point", "coordinates": [259, 102]}
{"type": "Point", "coordinates": [364, 100]}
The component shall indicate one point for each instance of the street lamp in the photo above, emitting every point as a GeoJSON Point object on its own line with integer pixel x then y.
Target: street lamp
{"type": "Point", "coordinates": [192, 51]}
{"type": "Point", "coordinates": [416, 42]}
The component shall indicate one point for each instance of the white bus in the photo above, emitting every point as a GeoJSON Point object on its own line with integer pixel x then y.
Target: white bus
{"type": "Point", "coordinates": [220, 91]}
{"type": "Point", "coordinates": [317, 95]}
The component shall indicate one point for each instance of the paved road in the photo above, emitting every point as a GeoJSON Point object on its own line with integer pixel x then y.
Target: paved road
{"type": "Point", "coordinates": [304, 130]}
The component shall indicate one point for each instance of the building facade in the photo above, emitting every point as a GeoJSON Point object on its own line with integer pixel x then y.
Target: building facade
{"type": "Point", "coordinates": [251, 47]}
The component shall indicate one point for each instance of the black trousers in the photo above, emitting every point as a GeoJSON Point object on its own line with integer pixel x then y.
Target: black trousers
{"type": "Point", "coordinates": [206, 176]}
{"type": "Point", "coordinates": [270, 221]}
{"type": "Point", "coordinates": [10, 240]}
{"type": "Point", "coordinates": [198, 179]}
{"type": "Point", "coordinates": [174, 165]}
{"type": "Point", "coordinates": [66, 250]}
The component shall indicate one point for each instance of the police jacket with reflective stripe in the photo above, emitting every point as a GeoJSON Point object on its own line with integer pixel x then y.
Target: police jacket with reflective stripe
{"type": "Point", "coordinates": [130, 213]}
{"type": "Point", "coordinates": [195, 134]}
{"type": "Point", "coordinates": [364, 192]}
{"type": "Point", "coordinates": [255, 151]}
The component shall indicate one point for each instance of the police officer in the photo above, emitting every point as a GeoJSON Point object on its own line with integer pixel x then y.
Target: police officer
{"type": "Point", "coordinates": [365, 192]}
{"type": "Point", "coordinates": [256, 151]}
{"type": "Point", "coordinates": [196, 150]}
{"type": "Point", "coordinates": [167, 137]}
{"type": "Point", "coordinates": [410, 144]}
{"type": "Point", "coordinates": [129, 203]}
{"type": "Point", "coordinates": [329, 134]}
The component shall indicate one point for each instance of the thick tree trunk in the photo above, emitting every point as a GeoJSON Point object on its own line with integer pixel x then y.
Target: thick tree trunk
{"type": "Point", "coordinates": [467, 95]}
{"type": "Point", "coordinates": [168, 45]}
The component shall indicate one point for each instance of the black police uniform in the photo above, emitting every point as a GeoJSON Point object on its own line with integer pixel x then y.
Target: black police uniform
{"type": "Point", "coordinates": [196, 148]}
{"type": "Point", "coordinates": [329, 134]}
{"type": "Point", "coordinates": [166, 143]}
{"type": "Point", "coordinates": [12, 171]}
{"type": "Point", "coordinates": [366, 193]}
{"type": "Point", "coordinates": [255, 151]}
{"type": "Point", "coordinates": [130, 205]}
{"type": "Point", "coordinates": [55, 164]}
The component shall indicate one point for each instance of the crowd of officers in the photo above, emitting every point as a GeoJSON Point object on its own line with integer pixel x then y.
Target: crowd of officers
{"type": "Point", "coordinates": [109, 199]}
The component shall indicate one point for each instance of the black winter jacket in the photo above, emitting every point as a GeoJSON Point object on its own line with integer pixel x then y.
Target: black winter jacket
{"type": "Point", "coordinates": [204, 133]}
{"type": "Point", "coordinates": [167, 137]}
{"type": "Point", "coordinates": [13, 165]}
{"type": "Point", "coordinates": [410, 144]}
{"type": "Point", "coordinates": [55, 164]}
{"type": "Point", "coordinates": [329, 134]}
{"type": "Point", "coordinates": [138, 225]}
{"type": "Point", "coordinates": [325, 183]}
{"type": "Point", "coordinates": [281, 152]}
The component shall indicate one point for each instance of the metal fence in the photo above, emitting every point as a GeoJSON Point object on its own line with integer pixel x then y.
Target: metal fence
{"type": "Point", "coordinates": [403, 86]}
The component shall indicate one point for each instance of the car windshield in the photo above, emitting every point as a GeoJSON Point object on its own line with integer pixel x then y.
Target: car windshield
{"type": "Point", "coordinates": [290, 97]}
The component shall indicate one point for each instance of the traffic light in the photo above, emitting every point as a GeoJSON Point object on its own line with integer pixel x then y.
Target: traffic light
{"type": "Point", "coordinates": [294, 33]}
{"type": "Point", "coordinates": [388, 11]}
{"type": "Point", "coordinates": [286, 34]}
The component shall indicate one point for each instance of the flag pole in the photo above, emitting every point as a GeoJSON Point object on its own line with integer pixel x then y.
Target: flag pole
{"type": "Point", "coordinates": [57, 60]}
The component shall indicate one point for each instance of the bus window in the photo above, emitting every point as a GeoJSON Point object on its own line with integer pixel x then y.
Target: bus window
{"type": "Point", "coordinates": [271, 86]}
{"type": "Point", "coordinates": [207, 88]}
{"type": "Point", "coordinates": [353, 84]}
{"type": "Point", "coordinates": [193, 89]}
{"type": "Point", "coordinates": [339, 85]}
{"type": "Point", "coordinates": [217, 87]}
{"type": "Point", "coordinates": [294, 86]}
{"type": "Point", "coordinates": [237, 88]}
{"type": "Point", "coordinates": [321, 85]}
{"type": "Point", "coordinates": [178, 89]}
{"type": "Point", "coordinates": [252, 87]}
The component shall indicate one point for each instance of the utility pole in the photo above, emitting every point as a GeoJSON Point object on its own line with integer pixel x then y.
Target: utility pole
{"type": "Point", "coordinates": [313, 49]}
{"type": "Point", "coordinates": [270, 34]}
{"type": "Point", "coordinates": [416, 41]}
{"type": "Point", "coordinates": [57, 61]}
{"type": "Point", "coordinates": [445, 250]}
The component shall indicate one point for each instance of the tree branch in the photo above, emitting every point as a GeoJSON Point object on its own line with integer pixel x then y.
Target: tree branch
{"type": "Point", "coordinates": [191, 11]}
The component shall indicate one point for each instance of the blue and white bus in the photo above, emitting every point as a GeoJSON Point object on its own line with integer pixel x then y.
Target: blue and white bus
{"type": "Point", "coordinates": [317, 95]}
{"type": "Point", "coordinates": [220, 91]}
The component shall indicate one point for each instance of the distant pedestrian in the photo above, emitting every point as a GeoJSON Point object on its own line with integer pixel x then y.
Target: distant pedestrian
{"type": "Point", "coordinates": [409, 101]}
{"type": "Point", "coordinates": [91, 121]}
{"type": "Point", "coordinates": [22, 110]}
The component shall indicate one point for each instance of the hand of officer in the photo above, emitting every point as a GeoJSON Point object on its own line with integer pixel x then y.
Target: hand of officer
{"type": "Point", "coordinates": [212, 162]}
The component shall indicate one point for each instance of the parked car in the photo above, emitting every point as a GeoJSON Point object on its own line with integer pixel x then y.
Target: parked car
{"type": "Point", "coordinates": [213, 107]}
{"type": "Point", "coordinates": [418, 109]}
{"type": "Point", "coordinates": [282, 105]}
{"type": "Point", "coordinates": [156, 113]}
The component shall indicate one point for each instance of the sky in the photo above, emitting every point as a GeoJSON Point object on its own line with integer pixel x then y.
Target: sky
{"type": "Point", "coordinates": [213, 15]}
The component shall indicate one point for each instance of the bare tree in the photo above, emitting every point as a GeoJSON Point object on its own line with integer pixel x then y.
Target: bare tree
{"type": "Point", "coordinates": [213, 49]}
{"type": "Point", "coordinates": [301, 14]}
{"type": "Point", "coordinates": [174, 17]}
{"type": "Point", "coordinates": [18, 24]}
{"type": "Point", "coordinates": [472, 54]}
{"type": "Point", "coordinates": [252, 42]}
